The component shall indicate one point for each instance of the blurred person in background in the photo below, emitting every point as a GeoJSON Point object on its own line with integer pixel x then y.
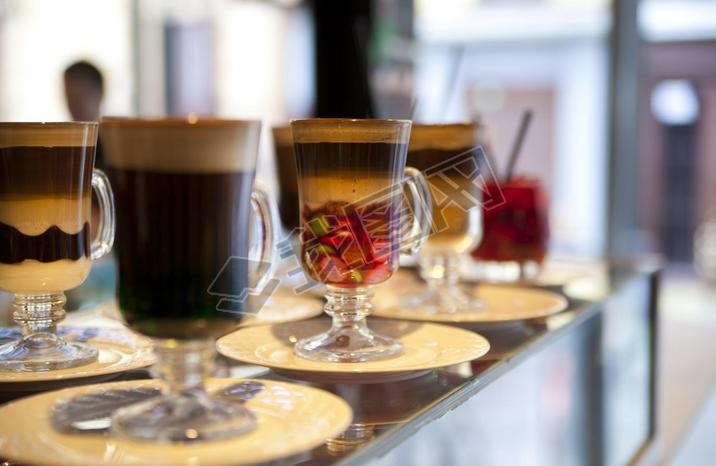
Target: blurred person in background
{"type": "Point", "coordinates": [84, 90]}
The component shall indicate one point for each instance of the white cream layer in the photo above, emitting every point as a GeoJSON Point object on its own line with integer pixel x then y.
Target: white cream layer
{"type": "Point", "coordinates": [181, 147]}
{"type": "Point", "coordinates": [31, 276]}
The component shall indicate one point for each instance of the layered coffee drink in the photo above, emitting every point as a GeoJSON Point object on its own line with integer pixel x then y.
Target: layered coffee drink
{"type": "Point", "coordinates": [46, 175]}
{"type": "Point", "coordinates": [351, 176]}
{"type": "Point", "coordinates": [45, 208]}
{"type": "Point", "coordinates": [447, 156]}
{"type": "Point", "coordinates": [350, 208]}
{"type": "Point", "coordinates": [183, 199]}
{"type": "Point", "coordinates": [288, 206]}
{"type": "Point", "coordinates": [185, 190]}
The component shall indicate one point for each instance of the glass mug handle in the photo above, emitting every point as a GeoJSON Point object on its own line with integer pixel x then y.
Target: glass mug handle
{"type": "Point", "coordinates": [419, 230]}
{"type": "Point", "coordinates": [102, 243]}
{"type": "Point", "coordinates": [266, 219]}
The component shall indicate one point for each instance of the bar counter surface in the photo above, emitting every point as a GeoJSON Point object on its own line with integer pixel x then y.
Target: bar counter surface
{"type": "Point", "coordinates": [576, 388]}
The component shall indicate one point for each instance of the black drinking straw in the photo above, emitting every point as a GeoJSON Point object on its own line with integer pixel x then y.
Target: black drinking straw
{"type": "Point", "coordinates": [517, 146]}
{"type": "Point", "coordinates": [360, 36]}
{"type": "Point", "coordinates": [489, 159]}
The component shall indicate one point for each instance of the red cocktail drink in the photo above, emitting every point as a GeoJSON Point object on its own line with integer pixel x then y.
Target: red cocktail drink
{"type": "Point", "coordinates": [517, 230]}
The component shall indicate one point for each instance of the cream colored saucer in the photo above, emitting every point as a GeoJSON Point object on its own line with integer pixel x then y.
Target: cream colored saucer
{"type": "Point", "coordinates": [501, 304]}
{"type": "Point", "coordinates": [285, 308]}
{"type": "Point", "coordinates": [427, 346]}
{"type": "Point", "coordinates": [119, 350]}
{"type": "Point", "coordinates": [291, 419]}
{"type": "Point", "coordinates": [280, 307]}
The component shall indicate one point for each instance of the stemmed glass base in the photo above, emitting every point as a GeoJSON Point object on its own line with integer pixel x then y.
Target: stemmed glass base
{"type": "Point", "coordinates": [41, 349]}
{"type": "Point", "coordinates": [507, 271]}
{"type": "Point", "coordinates": [185, 412]}
{"type": "Point", "coordinates": [443, 300]}
{"type": "Point", "coordinates": [185, 417]}
{"type": "Point", "coordinates": [443, 294]}
{"type": "Point", "coordinates": [349, 338]}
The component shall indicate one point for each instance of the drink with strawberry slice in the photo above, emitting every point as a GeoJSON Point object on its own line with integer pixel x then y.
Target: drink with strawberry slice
{"type": "Point", "coordinates": [351, 175]}
{"type": "Point", "coordinates": [340, 247]}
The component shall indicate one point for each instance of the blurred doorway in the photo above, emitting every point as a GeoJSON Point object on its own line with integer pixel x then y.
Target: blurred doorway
{"type": "Point", "coordinates": [677, 164]}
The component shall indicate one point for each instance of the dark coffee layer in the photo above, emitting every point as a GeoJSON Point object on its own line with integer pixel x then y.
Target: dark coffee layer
{"type": "Point", "coordinates": [349, 172]}
{"type": "Point", "coordinates": [288, 182]}
{"type": "Point", "coordinates": [380, 159]}
{"type": "Point", "coordinates": [52, 245]}
{"type": "Point", "coordinates": [46, 171]}
{"type": "Point", "coordinates": [175, 232]}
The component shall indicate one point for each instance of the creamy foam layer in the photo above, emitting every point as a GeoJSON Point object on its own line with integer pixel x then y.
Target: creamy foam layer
{"type": "Point", "coordinates": [34, 216]}
{"type": "Point", "coordinates": [181, 146]}
{"type": "Point", "coordinates": [347, 130]}
{"type": "Point", "coordinates": [31, 276]}
{"type": "Point", "coordinates": [444, 137]}
{"type": "Point", "coordinates": [48, 134]}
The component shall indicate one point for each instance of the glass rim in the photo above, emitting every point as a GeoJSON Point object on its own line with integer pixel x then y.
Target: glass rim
{"type": "Point", "coordinates": [47, 124]}
{"type": "Point", "coordinates": [452, 125]}
{"type": "Point", "coordinates": [188, 121]}
{"type": "Point", "coordinates": [366, 121]}
{"type": "Point", "coordinates": [346, 130]}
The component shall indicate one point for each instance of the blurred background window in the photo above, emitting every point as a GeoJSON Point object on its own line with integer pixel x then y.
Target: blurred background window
{"type": "Point", "coordinates": [430, 60]}
{"type": "Point", "coordinates": [677, 176]}
{"type": "Point", "coordinates": [493, 59]}
{"type": "Point", "coordinates": [40, 38]}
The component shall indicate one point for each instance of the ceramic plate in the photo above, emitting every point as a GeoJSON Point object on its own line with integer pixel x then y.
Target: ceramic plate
{"type": "Point", "coordinates": [285, 308]}
{"type": "Point", "coordinates": [119, 350]}
{"type": "Point", "coordinates": [501, 304]}
{"type": "Point", "coordinates": [281, 307]}
{"type": "Point", "coordinates": [290, 420]}
{"type": "Point", "coordinates": [427, 346]}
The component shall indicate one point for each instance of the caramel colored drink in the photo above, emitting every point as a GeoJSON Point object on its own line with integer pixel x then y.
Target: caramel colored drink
{"type": "Point", "coordinates": [44, 215]}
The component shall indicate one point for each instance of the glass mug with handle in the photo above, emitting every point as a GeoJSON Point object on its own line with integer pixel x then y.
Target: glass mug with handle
{"type": "Point", "coordinates": [287, 176]}
{"type": "Point", "coordinates": [351, 175]}
{"type": "Point", "coordinates": [46, 179]}
{"type": "Point", "coordinates": [447, 154]}
{"type": "Point", "coordinates": [185, 193]}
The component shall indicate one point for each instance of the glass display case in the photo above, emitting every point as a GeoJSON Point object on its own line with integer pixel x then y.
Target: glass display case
{"type": "Point", "coordinates": [575, 388]}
